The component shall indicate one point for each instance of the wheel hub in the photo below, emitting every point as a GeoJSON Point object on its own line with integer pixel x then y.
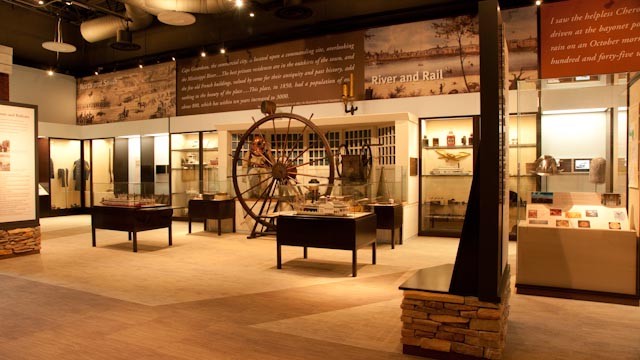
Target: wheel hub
{"type": "Point", "coordinates": [279, 171]}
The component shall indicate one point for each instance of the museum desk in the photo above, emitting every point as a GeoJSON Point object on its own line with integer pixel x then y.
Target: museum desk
{"type": "Point", "coordinates": [212, 209]}
{"type": "Point", "coordinates": [131, 220]}
{"type": "Point", "coordinates": [350, 232]}
{"type": "Point", "coordinates": [389, 218]}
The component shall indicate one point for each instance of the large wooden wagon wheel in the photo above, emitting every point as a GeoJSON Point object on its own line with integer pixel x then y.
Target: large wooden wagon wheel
{"type": "Point", "coordinates": [274, 155]}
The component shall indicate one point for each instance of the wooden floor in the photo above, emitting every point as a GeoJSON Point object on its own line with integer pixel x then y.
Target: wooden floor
{"type": "Point", "coordinates": [211, 297]}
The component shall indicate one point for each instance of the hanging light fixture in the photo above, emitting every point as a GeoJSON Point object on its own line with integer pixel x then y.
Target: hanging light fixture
{"type": "Point", "coordinates": [58, 45]}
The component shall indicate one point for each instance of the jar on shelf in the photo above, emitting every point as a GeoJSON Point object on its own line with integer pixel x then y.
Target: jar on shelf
{"type": "Point", "coordinates": [425, 141]}
{"type": "Point", "coordinates": [464, 140]}
{"type": "Point", "coordinates": [436, 142]}
{"type": "Point", "coordinates": [451, 139]}
{"type": "Point", "coordinates": [471, 139]}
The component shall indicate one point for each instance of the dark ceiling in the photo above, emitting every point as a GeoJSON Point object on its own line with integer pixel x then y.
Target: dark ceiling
{"type": "Point", "coordinates": [25, 25]}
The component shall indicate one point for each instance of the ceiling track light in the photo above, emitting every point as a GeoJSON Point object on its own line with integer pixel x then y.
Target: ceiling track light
{"type": "Point", "coordinates": [203, 53]}
{"type": "Point", "coordinates": [223, 50]}
{"type": "Point", "coordinates": [239, 3]}
{"type": "Point", "coordinates": [252, 14]}
{"type": "Point", "coordinates": [538, 2]}
{"type": "Point", "coordinates": [50, 72]}
{"type": "Point", "coordinates": [173, 58]}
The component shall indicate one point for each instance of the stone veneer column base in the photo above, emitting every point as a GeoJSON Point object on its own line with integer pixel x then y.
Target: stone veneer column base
{"type": "Point", "coordinates": [445, 326]}
{"type": "Point", "coordinates": [17, 242]}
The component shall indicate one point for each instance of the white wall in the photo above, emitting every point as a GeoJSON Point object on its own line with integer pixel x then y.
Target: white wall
{"type": "Point", "coordinates": [55, 95]}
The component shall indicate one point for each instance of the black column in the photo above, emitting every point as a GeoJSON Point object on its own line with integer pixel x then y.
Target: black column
{"type": "Point", "coordinates": [121, 166]}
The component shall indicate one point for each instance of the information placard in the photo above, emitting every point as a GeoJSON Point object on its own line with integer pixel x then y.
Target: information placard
{"type": "Point", "coordinates": [17, 164]}
{"type": "Point", "coordinates": [589, 37]}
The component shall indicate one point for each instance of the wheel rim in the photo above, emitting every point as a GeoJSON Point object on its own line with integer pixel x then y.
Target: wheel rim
{"type": "Point", "coordinates": [280, 161]}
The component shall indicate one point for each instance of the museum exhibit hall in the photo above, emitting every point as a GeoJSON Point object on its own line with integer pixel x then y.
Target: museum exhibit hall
{"type": "Point", "coordinates": [303, 179]}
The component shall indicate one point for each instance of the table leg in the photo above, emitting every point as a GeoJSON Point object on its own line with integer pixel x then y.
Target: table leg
{"type": "Point", "coordinates": [373, 252]}
{"type": "Point", "coordinates": [354, 263]}
{"type": "Point", "coordinates": [234, 223]}
{"type": "Point", "coordinates": [170, 235]}
{"type": "Point", "coordinates": [135, 241]}
{"type": "Point", "coordinates": [129, 235]}
{"type": "Point", "coordinates": [279, 256]}
{"type": "Point", "coordinates": [219, 226]}
{"type": "Point", "coordinates": [393, 238]}
{"type": "Point", "coordinates": [400, 235]}
{"type": "Point", "coordinates": [93, 236]}
{"type": "Point", "coordinates": [189, 225]}
{"type": "Point", "coordinates": [305, 253]}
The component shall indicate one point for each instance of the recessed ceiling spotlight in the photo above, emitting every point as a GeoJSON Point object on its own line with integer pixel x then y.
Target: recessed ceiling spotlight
{"type": "Point", "coordinates": [239, 3]}
{"type": "Point", "coordinates": [69, 3]}
{"type": "Point", "coordinates": [173, 58]}
{"type": "Point", "coordinates": [40, 2]}
{"type": "Point", "coordinates": [203, 53]}
{"type": "Point", "coordinates": [252, 14]}
{"type": "Point", "coordinates": [538, 2]}
{"type": "Point", "coordinates": [223, 50]}
{"type": "Point", "coordinates": [140, 66]}
{"type": "Point", "coordinates": [96, 72]}
{"type": "Point", "coordinates": [50, 72]}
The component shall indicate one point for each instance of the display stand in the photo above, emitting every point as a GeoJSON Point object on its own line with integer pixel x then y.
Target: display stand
{"type": "Point", "coordinates": [389, 217]}
{"type": "Point", "coordinates": [212, 209]}
{"type": "Point", "coordinates": [131, 220]}
{"type": "Point", "coordinates": [328, 232]}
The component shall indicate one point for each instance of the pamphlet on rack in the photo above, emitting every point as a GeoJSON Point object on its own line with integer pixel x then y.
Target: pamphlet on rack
{"type": "Point", "coordinates": [576, 210]}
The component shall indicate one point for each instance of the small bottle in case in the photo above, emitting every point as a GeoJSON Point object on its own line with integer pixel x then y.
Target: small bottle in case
{"type": "Point", "coordinates": [436, 142]}
{"type": "Point", "coordinates": [425, 141]}
{"type": "Point", "coordinates": [471, 139]}
{"type": "Point", "coordinates": [464, 140]}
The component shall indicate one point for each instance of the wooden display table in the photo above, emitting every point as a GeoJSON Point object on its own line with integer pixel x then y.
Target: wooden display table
{"type": "Point", "coordinates": [212, 209]}
{"type": "Point", "coordinates": [389, 218]}
{"type": "Point", "coordinates": [131, 220]}
{"type": "Point", "coordinates": [328, 232]}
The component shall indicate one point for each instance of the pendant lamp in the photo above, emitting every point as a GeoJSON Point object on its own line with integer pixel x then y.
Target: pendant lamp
{"type": "Point", "coordinates": [58, 45]}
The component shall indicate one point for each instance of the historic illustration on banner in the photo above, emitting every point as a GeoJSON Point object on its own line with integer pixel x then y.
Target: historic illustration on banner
{"type": "Point", "coordinates": [522, 39]}
{"type": "Point", "coordinates": [136, 94]}
{"type": "Point", "coordinates": [5, 156]}
{"type": "Point", "coordinates": [432, 57]}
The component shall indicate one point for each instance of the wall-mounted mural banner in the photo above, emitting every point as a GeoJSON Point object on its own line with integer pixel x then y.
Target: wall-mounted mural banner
{"type": "Point", "coordinates": [136, 94]}
{"type": "Point", "coordinates": [589, 37]}
{"type": "Point", "coordinates": [423, 58]}
{"type": "Point", "coordinates": [298, 72]}
{"type": "Point", "coordinates": [416, 59]}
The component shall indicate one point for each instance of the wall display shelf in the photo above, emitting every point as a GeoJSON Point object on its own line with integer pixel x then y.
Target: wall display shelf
{"type": "Point", "coordinates": [446, 174]}
{"type": "Point", "coordinates": [194, 168]}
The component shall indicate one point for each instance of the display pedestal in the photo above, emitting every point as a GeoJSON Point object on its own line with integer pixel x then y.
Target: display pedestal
{"type": "Point", "coordinates": [17, 242]}
{"type": "Point", "coordinates": [586, 264]}
{"type": "Point", "coordinates": [440, 325]}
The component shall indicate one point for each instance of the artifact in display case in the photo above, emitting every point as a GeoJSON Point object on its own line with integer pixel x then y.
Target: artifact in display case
{"type": "Point", "coordinates": [354, 168]}
{"type": "Point", "coordinates": [577, 211]}
{"type": "Point", "coordinates": [304, 200]}
{"type": "Point", "coordinates": [135, 195]}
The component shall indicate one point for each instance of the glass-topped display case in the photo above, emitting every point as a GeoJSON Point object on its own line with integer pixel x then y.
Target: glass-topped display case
{"type": "Point", "coordinates": [127, 195]}
{"type": "Point", "coordinates": [446, 171]}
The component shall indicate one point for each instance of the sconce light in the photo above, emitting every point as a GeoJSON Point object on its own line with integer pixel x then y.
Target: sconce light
{"type": "Point", "coordinates": [348, 97]}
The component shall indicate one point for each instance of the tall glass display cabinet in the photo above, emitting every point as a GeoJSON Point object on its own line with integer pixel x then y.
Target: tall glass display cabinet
{"type": "Point", "coordinates": [62, 176]}
{"type": "Point", "coordinates": [194, 168]}
{"type": "Point", "coordinates": [446, 171]}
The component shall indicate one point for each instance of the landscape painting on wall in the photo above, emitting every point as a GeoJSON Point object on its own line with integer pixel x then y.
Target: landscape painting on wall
{"type": "Point", "coordinates": [136, 94]}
